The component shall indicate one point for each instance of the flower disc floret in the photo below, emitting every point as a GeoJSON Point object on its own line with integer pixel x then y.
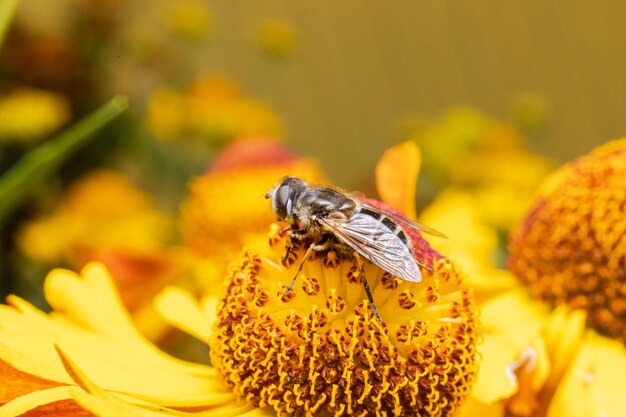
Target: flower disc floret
{"type": "Point", "coordinates": [320, 348]}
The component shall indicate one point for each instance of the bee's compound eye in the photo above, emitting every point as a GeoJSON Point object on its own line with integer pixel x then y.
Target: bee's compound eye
{"type": "Point", "coordinates": [282, 203]}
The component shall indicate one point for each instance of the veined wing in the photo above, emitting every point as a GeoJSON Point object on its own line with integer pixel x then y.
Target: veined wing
{"type": "Point", "coordinates": [403, 221]}
{"type": "Point", "coordinates": [376, 243]}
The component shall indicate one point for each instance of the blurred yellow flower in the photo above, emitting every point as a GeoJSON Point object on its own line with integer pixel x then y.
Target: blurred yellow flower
{"type": "Point", "coordinates": [90, 216]}
{"type": "Point", "coordinates": [445, 141]}
{"type": "Point", "coordinates": [28, 114]}
{"type": "Point", "coordinates": [212, 109]}
{"type": "Point", "coordinates": [571, 248]}
{"type": "Point", "coordinates": [275, 37]}
{"type": "Point", "coordinates": [226, 208]}
{"type": "Point", "coordinates": [488, 158]}
{"type": "Point", "coordinates": [86, 358]}
{"type": "Point", "coordinates": [104, 217]}
{"type": "Point", "coordinates": [530, 112]}
{"type": "Point", "coordinates": [166, 113]}
{"type": "Point", "coordinates": [569, 255]}
{"type": "Point", "coordinates": [190, 19]}
{"type": "Point", "coordinates": [538, 358]}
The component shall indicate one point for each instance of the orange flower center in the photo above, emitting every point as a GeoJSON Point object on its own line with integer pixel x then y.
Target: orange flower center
{"type": "Point", "coordinates": [571, 248]}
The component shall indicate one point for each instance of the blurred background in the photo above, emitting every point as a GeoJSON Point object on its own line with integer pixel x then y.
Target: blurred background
{"type": "Point", "coordinates": [494, 93]}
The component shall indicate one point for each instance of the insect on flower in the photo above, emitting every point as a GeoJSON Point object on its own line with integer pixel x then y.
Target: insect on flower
{"type": "Point", "coordinates": [334, 219]}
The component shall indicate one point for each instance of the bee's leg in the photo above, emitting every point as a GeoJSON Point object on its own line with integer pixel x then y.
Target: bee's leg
{"type": "Point", "coordinates": [286, 255]}
{"type": "Point", "coordinates": [426, 267]}
{"type": "Point", "coordinates": [366, 286]}
{"type": "Point", "coordinates": [308, 252]}
{"type": "Point", "coordinates": [315, 246]}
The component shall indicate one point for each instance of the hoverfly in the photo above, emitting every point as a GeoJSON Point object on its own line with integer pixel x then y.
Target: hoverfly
{"type": "Point", "coordinates": [327, 215]}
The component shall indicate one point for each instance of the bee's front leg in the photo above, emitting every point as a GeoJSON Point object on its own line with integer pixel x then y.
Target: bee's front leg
{"type": "Point", "coordinates": [313, 247]}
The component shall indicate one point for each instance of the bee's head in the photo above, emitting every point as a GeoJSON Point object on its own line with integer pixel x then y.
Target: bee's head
{"type": "Point", "coordinates": [284, 195]}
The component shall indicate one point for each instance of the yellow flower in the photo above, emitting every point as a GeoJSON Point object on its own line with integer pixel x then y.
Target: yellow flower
{"type": "Point", "coordinates": [190, 19]}
{"type": "Point", "coordinates": [465, 149]}
{"type": "Point", "coordinates": [90, 224]}
{"type": "Point", "coordinates": [225, 209]}
{"type": "Point", "coordinates": [166, 113]}
{"type": "Point", "coordinates": [28, 113]}
{"type": "Point", "coordinates": [212, 109]}
{"type": "Point", "coordinates": [538, 357]}
{"type": "Point", "coordinates": [571, 247]}
{"type": "Point", "coordinates": [446, 140]}
{"type": "Point", "coordinates": [321, 348]}
{"type": "Point", "coordinates": [275, 37]}
{"type": "Point", "coordinates": [90, 216]}
{"type": "Point", "coordinates": [87, 356]}
{"type": "Point", "coordinates": [568, 254]}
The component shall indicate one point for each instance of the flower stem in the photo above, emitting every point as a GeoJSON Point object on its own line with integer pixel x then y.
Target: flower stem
{"type": "Point", "coordinates": [28, 173]}
{"type": "Point", "coordinates": [7, 9]}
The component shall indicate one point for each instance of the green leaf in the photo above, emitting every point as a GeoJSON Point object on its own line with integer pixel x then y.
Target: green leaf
{"type": "Point", "coordinates": [7, 9]}
{"type": "Point", "coordinates": [44, 160]}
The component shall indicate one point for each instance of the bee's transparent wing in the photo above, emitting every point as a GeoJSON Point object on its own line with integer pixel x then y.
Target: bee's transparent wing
{"type": "Point", "coordinates": [403, 221]}
{"type": "Point", "coordinates": [377, 244]}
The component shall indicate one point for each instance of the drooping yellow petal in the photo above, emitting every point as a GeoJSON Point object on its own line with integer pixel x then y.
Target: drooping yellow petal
{"type": "Point", "coordinates": [180, 309]}
{"type": "Point", "coordinates": [474, 408]}
{"type": "Point", "coordinates": [511, 322]}
{"type": "Point", "coordinates": [594, 383]}
{"type": "Point", "coordinates": [531, 370]}
{"type": "Point", "coordinates": [488, 282]}
{"type": "Point", "coordinates": [563, 335]}
{"type": "Point", "coordinates": [68, 294]}
{"type": "Point", "coordinates": [106, 404]}
{"type": "Point", "coordinates": [495, 381]}
{"type": "Point", "coordinates": [127, 364]}
{"type": "Point", "coordinates": [396, 177]}
{"type": "Point", "coordinates": [46, 401]}
{"type": "Point", "coordinates": [472, 242]}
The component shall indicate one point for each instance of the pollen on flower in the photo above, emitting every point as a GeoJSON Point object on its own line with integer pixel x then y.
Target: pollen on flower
{"type": "Point", "coordinates": [571, 248]}
{"type": "Point", "coordinates": [320, 347]}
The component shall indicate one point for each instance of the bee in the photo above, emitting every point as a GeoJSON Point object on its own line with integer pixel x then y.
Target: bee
{"type": "Point", "coordinates": [330, 217]}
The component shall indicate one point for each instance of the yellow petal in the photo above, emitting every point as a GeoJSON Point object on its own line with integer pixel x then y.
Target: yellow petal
{"type": "Point", "coordinates": [488, 282]}
{"type": "Point", "coordinates": [473, 408]}
{"type": "Point", "coordinates": [67, 293]}
{"type": "Point", "coordinates": [108, 407]}
{"type": "Point", "coordinates": [396, 177]}
{"type": "Point", "coordinates": [180, 309]}
{"type": "Point", "coordinates": [495, 381]}
{"type": "Point", "coordinates": [48, 399]}
{"type": "Point", "coordinates": [514, 314]}
{"type": "Point", "coordinates": [106, 404]}
{"type": "Point", "coordinates": [101, 402]}
{"type": "Point", "coordinates": [531, 370]}
{"type": "Point", "coordinates": [125, 364]}
{"type": "Point", "coordinates": [563, 334]}
{"type": "Point", "coordinates": [471, 242]}
{"type": "Point", "coordinates": [594, 383]}
{"type": "Point", "coordinates": [511, 322]}
{"type": "Point", "coordinates": [16, 383]}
